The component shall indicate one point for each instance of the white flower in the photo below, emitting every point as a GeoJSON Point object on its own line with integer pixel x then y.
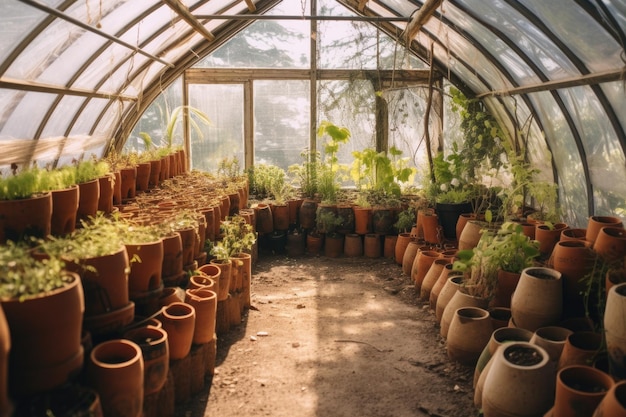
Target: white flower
{"type": "Point", "coordinates": [455, 182]}
{"type": "Point", "coordinates": [443, 187]}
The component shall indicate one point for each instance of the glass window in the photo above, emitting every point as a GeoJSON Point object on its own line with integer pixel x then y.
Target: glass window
{"type": "Point", "coordinates": [223, 104]}
{"type": "Point", "coordinates": [21, 119]}
{"type": "Point", "coordinates": [58, 123]}
{"type": "Point", "coordinates": [16, 21]}
{"type": "Point", "coordinates": [282, 111]}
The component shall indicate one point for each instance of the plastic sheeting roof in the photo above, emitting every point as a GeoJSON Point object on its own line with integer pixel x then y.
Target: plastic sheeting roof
{"type": "Point", "coordinates": [75, 73]}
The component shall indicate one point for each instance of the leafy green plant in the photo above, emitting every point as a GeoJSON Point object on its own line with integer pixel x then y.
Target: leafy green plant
{"type": "Point", "coordinates": [266, 180]}
{"type": "Point", "coordinates": [90, 169]}
{"type": "Point", "coordinates": [19, 184]}
{"type": "Point", "coordinates": [22, 275]}
{"type": "Point", "coordinates": [238, 237]}
{"type": "Point", "coordinates": [406, 219]}
{"type": "Point", "coordinates": [229, 167]}
{"type": "Point", "coordinates": [383, 172]}
{"type": "Point", "coordinates": [306, 172]}
{"type": "Point", "coordinates": [326, 221]}
{"type": "Point", "coordinates": [331, 172]}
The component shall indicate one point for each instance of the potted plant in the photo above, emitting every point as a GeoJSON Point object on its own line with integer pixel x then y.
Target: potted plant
{"type": "Point", "coordinates": [43, 304]}
{"type": "Point", "coordinates": [330, 172]}
{"type": "Point", "coordinates": [25, 204]}
{"type": "Point", "coordinates": [88, 171]}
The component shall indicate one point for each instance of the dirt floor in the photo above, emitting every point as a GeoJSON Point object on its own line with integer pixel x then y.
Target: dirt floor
{"type": "Point", "coordinates": [334, 337]}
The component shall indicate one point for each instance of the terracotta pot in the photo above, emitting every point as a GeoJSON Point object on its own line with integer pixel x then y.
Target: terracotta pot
{"type": "Point", "coordinates": [280, 217]}
{"type": "Point", "coordinates": [580, 348]}
{"type": "Point", "coordinates": [25, 217]}
{"type": "Point", "coordinates": [441, 281]}
{"type": "Point", "coordinates": [595, 223]}
{"type": "Point", "coordinates": [498, 338]}
{"type": "Point", "coordinates": [382, 220]}
{"type": "Point", "coordinates": [155, 173]}
{"type": "Point", "coordinates": [471, 234]}
{"type": "Point", "coordinates": [203, 281]}
{"type": "Point", "coordinates": [461, 222]}
{"type": "Point", "coordinates": [372, 247]}
{"type": "Point", "coordinates": [432, 229]}
{"type": "Point", "coordinates": [117, 188]}
{"type": "Point", "coordinates": [419, 222]}
{"type": "Point", "coordinates": [468, 334]}
{"type": "Point", "coordinates": [458, 300]}
{"type": "Point", "coordinates": [353, 245]}
{"type": "Point", "coordinates": [264, 219]}
{"type": "Point", "coordinates": [296, 244]}
{"type": "Point", "coordinates": [204, 302]}
{"type": "Point", "coordinates": [314, 243]}
{"type": "Point", "coordinates": [448, 290]}
{"type": "Point", "coordinates": [421, 264]}
{"type": "Point", "coordinates": [518, 389]}
{"type": "Point", "coordinates": [408, 257]}
{"type": "Point", "coordinates": [307, 214]}
{"type": "Point", "coordinates": [552, 339]}
{"type": "Point", "coordinates": [129, 183]}
{"type": "Point", "coordinates": [156, 356]}
{"type": "Point", "coordinates": [81, 401]}
{"type": "Point", "coordinates": [345, 215]}
{"type": "Point", "coordinates": [224, 279]}
{"type": "Point", "coordinates": [5, 347]}
{"type": "Point", "coordinates": [538, 299]}
{"type": "Point", "coordinates": [45, 339]}
{"type": "Point", "coordinates": [402, 243]}
{"type": "Point", "coordinates": [613, 403]}
{"type": "Point", "coordinates": [64, 209]}
{"type": "Point", "coordinates": [225, 207]}
{"type": "Point", "coordinates": [88, 199]}
{"type": "Point", "coordinates": [548, 236]}
{"type": "Point", "coordinates": [333, 245]}
{"type": "Point", "coordinates": [389, 246]}
{"type": "Point", "coordinates": [188, 238]}
{"type": "Point", "coordinates": [324, 210]}
{"type": "Point", "coordinates": [244, 285]}
{"type": "Point", "coordinates": [362, 220]}
{"type": "Point", "coordinates": [115, 371]}
{"type": "Point", "coordinates": [574, 234]}
{"type": "Point", "coordinates": [610, 244]}
{"type": "Point", "coordinates": [217, 215]}
{"type": "Point", "coordinates": [579, 390]}
{"type": "Point", "coordinates": [143, 176]}
{"type": "Point", "coordinates": [147, 268]}
{"type": "Point", "coordinates": [107, 188]}
{"type": "Point", "coordinates": [171, 295]}
{"type": "Point", "coordinates": [294, 210]}
{"type": "Point", "coordinates": [500, 316]}
{"type": "Point", "coordinates": [172, 259]}
{"type": "Point", "coordinates": [506, 284]}
{"type": "Point", "coordinates": [615, 330]}
{"type": "Point", "coordinates": [233, 199]}
{"type": "Point", "coordinates": [431, 277]}
{"type": "Point", "coordinates": [573, 259]}
{"type": "Point", "coordinates": [179, 321]}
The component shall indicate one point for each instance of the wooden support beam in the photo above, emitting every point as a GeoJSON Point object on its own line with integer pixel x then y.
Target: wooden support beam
{"type": "Point", "coordinates": [251, 6]}
{"type": "Point", "coordinates": [21, 85]}
{"type": "Point", "coordinates": [184, 14]}
{"type": "Point", "coordinates": [420, 18]}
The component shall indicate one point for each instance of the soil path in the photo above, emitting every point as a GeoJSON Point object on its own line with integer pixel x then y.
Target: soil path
{"type": "Point", "coordinates": [334, 337]}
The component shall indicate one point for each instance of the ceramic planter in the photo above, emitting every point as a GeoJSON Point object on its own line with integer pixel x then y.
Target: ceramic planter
{"type": "Point", "coordinates": [372, 247]}
{"type": "Point", "coordinates": [595, 223]}
{"type": "Point", "coordinates": [314, 243]}
{"type": "Point", "coordinates": [155, 173]}
{"type": "Point", "coordinates": [346, 219]}
{"type": "Point", "coordinates": [294, 209]}
{"type": "Point", "coordinates": [203, 281]}
{"type": "Point", "coordinates": [333, 245]}
{"type": "Point", "coordinates": [506, 284]}
{"type": "Point", "coordinates": [579, 390]}
{"type": "Point", "coordinates": [225, 266]}
{"type": "Point", "coordinates": [573, 259]}
{"type": "Point", "coordinates": [280, 217]}
{"type": "Point", "coordinates": [25, 217]}
{"type": "Point", "coordinates": [146, 272]}
{"type": "Point", "coordinates": [88, 200]}
{"type": "Point", "coordinates": [421, 264]}
{"type": "Point", "coordinates": [128, 183]}
{"type": "Point", "coordinates": [538, 299]}
{"type": "Point", "coordinates": [179, 321]}
{"type": "Point", "coordinates": [45, 339]}
{"type": "Point", "coordinates": [188, 240]}
{"type": "Point", "coordinates": [552, 339]}
{"type": "Point", "coordinates": [458, 300]}
{"type": "Point", "coordinates": [64, 208]}
{"type": "Point", "coordinates": [574, 234]}
{"type": "Point", "coordinates": [107, 188]}
{"type": "Point", "coordinates": [548, 236]}
{"type": "Point", "coordinates": [580, 348]}
{"type": "Point", "coordinates": [353, 245]}
{"type": "Point", "coordinates": [409, 254]}
{"type": "Point", "coordinates": [468, 334]}
{"type": "Point", "coordinates": [172, 259]}
{"type": "Point", "coordinates": [307, 214]}
{"type": "Point", "coordinates": [615, 330]}
{"type": "Point", "coordinates": [610, 244]}
{"type": "Point", "coordinates": [382, 220]}
{"type": "Point", "coordinates": [432, 229]}
{"type": "Point", "coordinates": [234, 200]}
{"type": "Point", "coordinates": [461, 222]}
{"type": "Point", "coordinates": [245, 283]}
{"type": "Point", "coordinates": [500, 316]}
{"type": "Point", "coordinates": [225, 207]}
{"type": "Point", "coordinates": [452, 285]}
{"type": "Point", "coordinates": [441, 281]}
{"type": "Point", "coordinates": [296, 244]}
{"type": "Point", "coordinates": [156, 356]}
{"type": "Point", "coordinates": [613, 403]}
{"type": "Point", "coordinates": [115, 370]}
{"type": "Point", "coordinates": [389, 246]}
{"type": "Point", "coordinates": [204, 302]}
{"type": "Point", "coordinates": [362, 220]}
{"type": "Point", "coordinates": [264, 219]}
{"type": "Point", "coordinates": [431, 277]}
{"type": "Point", "coordinates": [520, 382]}
{"type": "Point", "coordinates": [402, 242]}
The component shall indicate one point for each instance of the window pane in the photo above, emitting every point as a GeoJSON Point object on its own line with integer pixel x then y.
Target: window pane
{"type": "Point", "coordinates": [223, 104]}
{"type": "Point", "coordinates": [281, 121]}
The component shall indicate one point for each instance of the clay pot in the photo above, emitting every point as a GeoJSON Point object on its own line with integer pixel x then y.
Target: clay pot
{"type": "Point", "coordinates": [389, 246]}
{"type": "Point", "coordinates": [362, 220]}
{"type": "Point", "coordinates": [145, 274]}
{"type": "Point", "coordinates": [225, 208]}
{"type": "Point", "coordinates": [516, 387]}
{"type": "Point", "coordinates": [372, 247]}
{"type": "Point", "coordinates": [431, 277]}
{"type": "Point", "coordinates": [573, 259]}
{"type": "Point", "coordinates": [296, 244]}
{"type": "Point", "coordinates": [308, 209]}
{"type": "Point", "coordinates": [204, 302]}
{"type": "Point", "coordinates": [610, 244]}
{"type": "Point", "coordinates": [468, 334]}
{"type": "Point", "coordinates": [280, 217]}
{"type": "Point", "coordinates": [552, 339]}
{"type": "Point", "coordinates": [506, 284]}
{"type": "Point", "coordinates": [345, 215]}
{"type": "Point", "coordinates": [579, 390]}
{"type": "Point", "coordinates": [64, 208]}
{"type": "Point", "coordinates": [156, 356]}
{"type": "Point", "coordinates": [409, 254]}
{"type": "Point", "coordinates": [580, 348]}
{"type": "Point", "coordinates": [615, 330]}
{"type": "Point", "coordinates": [448, 290]}
{"type": "Point", "coordinates": [538, 299]}
{"type": "Point", "coordinates": [211, 271]}
{"type": "Point", "coordinates": [500, 316]}
{"type": "Point", "coordinates": [116, 371]}
{"type": "Point", "coordinates": [422, 263]}
{"type": "Point", "coordinates": [264, 219]}
{"type": "Point", "coordinates": [498, 338]}
{"type": "Point", "coordinates": [470, 235]}
{"type": "Point", "coordinates": [188, 240]}
{"type": "Point", "coordinates": [178, 320]}
{"type": "Point", "coordinates": [143, 176]}
{"type": "Point", "coordinates": [225, 266]}
{"type": "Point", "coordinates": [165, 168]}
{"type": "Point", "coordinates": [334, 245]}
{"type": "Point", "coordinates": [294, 210]}
{"type": "Point", "coordinates": [172, 259]}
{"type": "Point", "coordinates": [25, 217]}
{"type": "Point", "coordinates": [314, 243]}
{"type": "Point", "coordinates": [245, 276]}
{"type": "Point", "coordinates": [353, 245]}
{"type": "Point", "coordinates": [233, 209]}
{"type": "Point", "coordinates": [171, 295]}
{"type": "Point", "coordinates": [432, 229]}
{"type": "Point", "coordinates": [155, 173]}
{"type": "Point", "coordinates": [441, 280]}
{"type": "Point", "coordinates": [402, 242]}
{"type": "Point", "coordinates": [574, 234]}
{"type": "Point", "coordinates": [461, 222]}
{"type": "Point", "coordinates": [613, 403]}
{"type": "Point", "coordinates": [5, 347]}
{"type": "Point", "coordinates": [129, 183]}
{"type": "Point", "coordinates": [595, 223]}
{"type": "Point", "coordinates": [382, 220]}
{"type": "Point", "coordinates": [548, 236]}
{"type": "Point", "coordinates": [202, 281]}
{"type": "Point", "coordinates": [460, 299]}
{"type": "Point", "coordinates": [45, 339]}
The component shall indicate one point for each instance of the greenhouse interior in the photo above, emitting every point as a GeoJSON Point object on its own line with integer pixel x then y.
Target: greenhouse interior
{"type": "Point", "coordinates": [176, 174]}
